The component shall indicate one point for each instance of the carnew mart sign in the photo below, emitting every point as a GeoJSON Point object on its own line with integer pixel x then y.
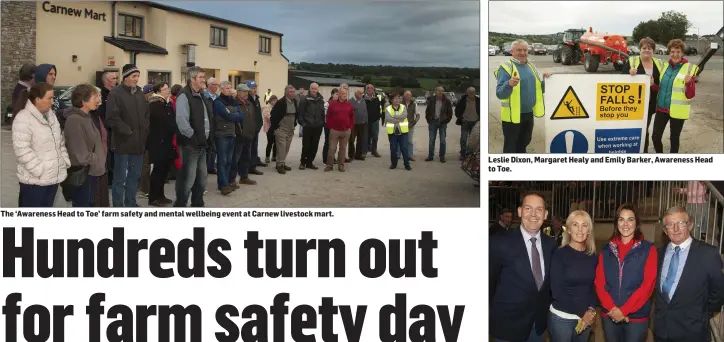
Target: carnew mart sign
{"type": "Point", "coordinates": [74, 12]}
{"type": "Point", "coordinates": [593, 113]}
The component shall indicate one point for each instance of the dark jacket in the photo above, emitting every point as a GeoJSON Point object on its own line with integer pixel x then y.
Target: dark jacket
{"type": "Point", "coordinates": [412, 115]}
{"type": "Point", "coordinates": [84, 142]}
{"type": "Point", "coordinates": [699, 293]}
{"type": "Point", "coordinates": [227, 115]}
{"type": "Point", "coordinates": [460, 108]}
{"type": "Point", "coordinates": [249, 125]}
{"type": "Point", "coordinates": [374, 106]}
{"type": "Point", "coordinates": [445, 112]}
{"type": "Point", "coordinates": [516, 304]}
{"type": "Point", "coordinates": [41, 76]}
{"type": "Point", "coordinates": [310, 112]}
{"type": "Point", "coordinates": [279, 111]}
{"type": "Point", "coordinates": [654, 86]}
{"type": "Point", "coordinates": [258, 121]}
{"type": "Point", "coordinates": [196, 103]}
{"type": "Point", "coordinates": [128, 116]}
{"type": "Point", "coordinates": [162, 128]}
{"type": "Point", "coordinates": [622, 282]}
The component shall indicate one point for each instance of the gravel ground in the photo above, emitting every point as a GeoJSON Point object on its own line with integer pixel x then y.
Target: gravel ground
{"type": "Point", "coordinates": [702, 133]}
{"type": "Point", "coordinates": [368, 183]}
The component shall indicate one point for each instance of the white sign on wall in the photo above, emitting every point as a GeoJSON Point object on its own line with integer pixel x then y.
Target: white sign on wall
{"type": "Point", "coordinates": [594, 113]}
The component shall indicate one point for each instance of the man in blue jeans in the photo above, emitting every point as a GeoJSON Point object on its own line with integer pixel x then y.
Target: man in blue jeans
{"type": "Point", "coordinates": [127, 115]}
{"type": "Point", "coordinates": [227, 115]}
{"type": "Point", "coordinates": [193, 118]}
{"type": "Point", "coordinates": [375, 105]}
{"type": "Point", "coordinates": [438, 114]}
{"type": "Point", "coordinates": [467, 113]}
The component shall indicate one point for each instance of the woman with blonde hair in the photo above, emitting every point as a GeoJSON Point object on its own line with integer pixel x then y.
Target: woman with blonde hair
{"type": "Point", "coordinates": [625, 279]}
{"type": "Point", "coordinates": [573, 270]}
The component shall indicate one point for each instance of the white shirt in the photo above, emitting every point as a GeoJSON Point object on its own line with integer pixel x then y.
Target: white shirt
{"type": "Point", "coordinates": [538, 245]}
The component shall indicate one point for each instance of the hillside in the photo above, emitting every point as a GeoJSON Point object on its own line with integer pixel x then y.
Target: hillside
{"type": "Point", "coordinates": [499, 39]}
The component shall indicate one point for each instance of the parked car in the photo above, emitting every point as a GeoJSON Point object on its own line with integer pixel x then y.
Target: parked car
{"type": "Point", "coordinates": [420, 100]}
{"type": "Point", "coordinates": [539, 49]}
{"type": "Point", "coordinates": [690, 50]}
{"type": "Point", "coordinates": [661, 50]}
{"type": "Point", "coordinates": [506, 50]}
{"type": "Point", "coordinates": [491, 50]}
{"type": "Point", "coordinates": [62, 94]}
{"type": "Point", "coordinates": [634, 50]}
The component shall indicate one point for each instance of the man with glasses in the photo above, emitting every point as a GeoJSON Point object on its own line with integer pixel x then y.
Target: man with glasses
{"type": "Point", "coordinates": [690, 287]}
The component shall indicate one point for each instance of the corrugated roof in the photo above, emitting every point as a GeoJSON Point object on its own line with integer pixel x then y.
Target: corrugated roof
{"type": "Point", "coordinates": [209, 17]}
{"type": "Point", "coordinates": [135, 45]}
{"type": "Point", "coordinates": [330, 80]}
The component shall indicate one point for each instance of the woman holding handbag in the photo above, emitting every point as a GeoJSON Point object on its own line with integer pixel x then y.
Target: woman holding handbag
{"type": "Point", "coordinates": [85, 146]}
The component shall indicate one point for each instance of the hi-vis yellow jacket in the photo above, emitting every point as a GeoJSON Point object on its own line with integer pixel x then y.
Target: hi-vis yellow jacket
{"type": "Point", "coordinates": [510, 107]}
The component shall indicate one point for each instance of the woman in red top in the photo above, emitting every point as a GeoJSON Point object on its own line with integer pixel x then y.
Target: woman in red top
{"type": "Point", "coordinates": [625, 279]}
{"type": "Point", "coordinates": [340, 120]}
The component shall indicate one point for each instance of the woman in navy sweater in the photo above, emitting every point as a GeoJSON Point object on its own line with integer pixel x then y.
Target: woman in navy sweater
{"type": "Point", "coordinates": [573, 270]}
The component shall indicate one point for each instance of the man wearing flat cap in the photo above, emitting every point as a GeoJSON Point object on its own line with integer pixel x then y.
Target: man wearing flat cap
{"type": "Point", "coordinates": [127, 114]}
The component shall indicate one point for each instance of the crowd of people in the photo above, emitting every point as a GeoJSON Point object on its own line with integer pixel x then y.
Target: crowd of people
{"type": "Point", "coordinates": [566, 282]}
{"type": "Point", "coordinates": [520, 90]}
{"type": "Point", "coordinates": [137, 139]}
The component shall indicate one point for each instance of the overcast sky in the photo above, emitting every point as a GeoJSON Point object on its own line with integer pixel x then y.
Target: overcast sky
{"type": "Point", "coordinates": [441, 33]}
{"type": "Point", "coordinates": [545, 17]}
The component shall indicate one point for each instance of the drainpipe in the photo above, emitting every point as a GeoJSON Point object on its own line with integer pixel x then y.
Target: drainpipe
{"type": "Point", "coordinates": [113, 19]}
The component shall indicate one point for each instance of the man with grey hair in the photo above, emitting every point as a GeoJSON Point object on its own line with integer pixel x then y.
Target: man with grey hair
{"type": "Point", "coordinates": [283, 121]}
{"type": "Point", "coordinates": [375, 105]}
{"type": "Point", "coordinates": [690, 285]}
{"type": "Point", "coordinates": [467, 113]}
{"type": "Point", "coordinates": [520, 90]}
{"type": "Point", "coordinates": [358, 151]}
{"type": "Point", "coordinates": [110, 81]}
{"type": "Point", "coordinates": [438, 114]}
{"type": "Point", "coordinates": [311, 117]}
{"type": "Point", "coordinates": [194, 113]}
{"type": "Point", "coordinates": [412, 117]}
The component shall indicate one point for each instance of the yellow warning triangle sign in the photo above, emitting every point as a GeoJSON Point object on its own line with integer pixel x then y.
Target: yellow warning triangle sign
{"type": "Point", "coordinates": [570, 107]}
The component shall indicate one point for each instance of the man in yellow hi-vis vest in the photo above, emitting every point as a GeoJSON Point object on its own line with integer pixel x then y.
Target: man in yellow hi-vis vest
{"type": "Point", "coordinates": [677, 87]}
{"type": "Point", "coordinates": [520, 89]}
{"type": "Point", "coordinates": [397, 127]}
{"type": "Point", "coordinates": [267, 96]}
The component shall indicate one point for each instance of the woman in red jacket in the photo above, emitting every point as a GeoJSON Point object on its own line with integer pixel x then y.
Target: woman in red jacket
{"type": "Point", "coordinates": [625, 279]}
{"type": "Point", "coordinates": [340, 120]}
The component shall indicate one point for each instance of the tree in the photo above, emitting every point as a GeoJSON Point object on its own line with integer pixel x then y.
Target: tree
{"type": "Point", "coordinates": [647, 29]}
{"type": "Point", "coordinates": [367, 79]}
{"type": "Point", "coordinates": [671, 25]}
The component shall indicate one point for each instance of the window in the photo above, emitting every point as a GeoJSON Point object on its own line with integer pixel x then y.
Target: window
{"type": "Point", "coordinates": [218, 36]}
{"type": "Point", "coordinates": [158, 77]}
{"type": "Point", "coordinates": [264, 44]}
{"type": "Point", "coordinates": [130, 26]}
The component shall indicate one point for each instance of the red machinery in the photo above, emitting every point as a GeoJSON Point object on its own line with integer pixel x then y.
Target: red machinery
{"type": "Point", "coordinates": [591, 48]}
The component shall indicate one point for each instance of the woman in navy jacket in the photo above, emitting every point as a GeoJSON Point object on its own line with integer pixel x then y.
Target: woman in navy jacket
{"type": "Point", "coordinates": [646, 64]}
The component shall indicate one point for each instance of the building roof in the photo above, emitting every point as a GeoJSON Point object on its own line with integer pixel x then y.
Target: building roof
{"type": "Point", "coordinates": [209, 17]}
{"type": "Point", "coordinates": [135, 45]}
{"type": "Point", "coordinates": [313, 73]}
{"type": "Point", "coordinates": [322, 81]}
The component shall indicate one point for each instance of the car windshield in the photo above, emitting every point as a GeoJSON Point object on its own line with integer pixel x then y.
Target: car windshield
{"type": "Point", "coordinates": [538, 46]}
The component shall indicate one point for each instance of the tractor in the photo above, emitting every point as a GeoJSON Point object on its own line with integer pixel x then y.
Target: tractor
{"type": "Point", "coordinates": [592, 49]}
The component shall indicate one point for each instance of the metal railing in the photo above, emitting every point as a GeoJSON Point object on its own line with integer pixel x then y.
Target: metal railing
{"type": "Point", "coordinates": [601, 199]}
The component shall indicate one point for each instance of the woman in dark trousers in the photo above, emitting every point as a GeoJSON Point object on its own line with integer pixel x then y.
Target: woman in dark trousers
{"type": "Point", "coordinates": [266, 116]}
{"type": "Point", "coordinates": [676, 89]}
{"type": "Point", "coordinates": [646, 64]}
{"type": "Point", "coordinates": [325, 147]}
{"type": "Point", "coordinates": [161, 153]}
{"type": "Point", "coordinates": [84, 142]}
{"type": "Point", "coordinates": [625, 279]}
{"type": "Point", "coordinates": [573, 269]}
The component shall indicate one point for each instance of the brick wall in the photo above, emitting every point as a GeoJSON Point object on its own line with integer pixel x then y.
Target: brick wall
{"type": "Point", "coordinates": [18, 37]}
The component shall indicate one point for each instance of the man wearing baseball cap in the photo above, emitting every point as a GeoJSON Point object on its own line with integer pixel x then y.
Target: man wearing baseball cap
{"type": "Point", "coordinates": [255, 160]}
{"type": "Point", "coordinates": [127, 114]}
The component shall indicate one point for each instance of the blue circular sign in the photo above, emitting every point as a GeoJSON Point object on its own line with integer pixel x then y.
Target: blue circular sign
{"type": "Point", "coordinates": [577, 142]}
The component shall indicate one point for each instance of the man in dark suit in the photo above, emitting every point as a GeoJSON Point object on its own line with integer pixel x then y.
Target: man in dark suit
{"type": "Point", "coordinates": [519, 276]}
{"type": "Point", "coordinates": [690, 286]}
{"type": "Point", "coordinates": [506, 218]}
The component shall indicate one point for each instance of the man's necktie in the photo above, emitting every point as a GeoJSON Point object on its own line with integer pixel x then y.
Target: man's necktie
{"type": "Point", "coordinates": [671, 274]}
{"type": "Point", "coordinates": [537, 271]}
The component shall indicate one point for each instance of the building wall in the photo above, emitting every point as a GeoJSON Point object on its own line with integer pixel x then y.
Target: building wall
{"type": "Point", "coordinates": [83, 37]}
{"type": "Point", "coordinates": [18, 39]}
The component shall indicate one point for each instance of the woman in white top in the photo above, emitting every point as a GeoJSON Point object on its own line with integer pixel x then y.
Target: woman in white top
{"type": "Point", "coordinates": [39, 146]}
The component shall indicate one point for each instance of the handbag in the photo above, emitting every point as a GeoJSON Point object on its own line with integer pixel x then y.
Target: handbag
{"type": "Point", "coordinates": [77, 176]}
